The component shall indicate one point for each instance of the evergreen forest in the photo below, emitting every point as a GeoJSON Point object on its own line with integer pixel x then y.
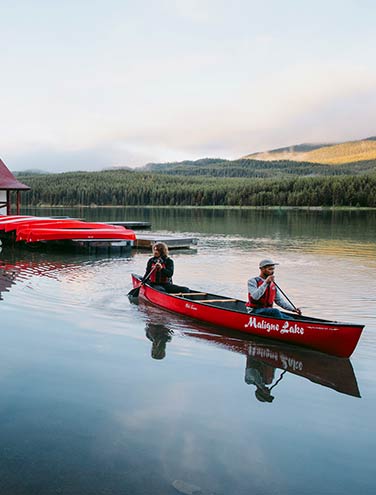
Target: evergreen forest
{"type": "Point", "coordinates": [210, 182]}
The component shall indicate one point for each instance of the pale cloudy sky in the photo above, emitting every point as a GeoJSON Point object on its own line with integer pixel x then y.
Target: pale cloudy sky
{"type": "Point", "coordinates": [90, 84]}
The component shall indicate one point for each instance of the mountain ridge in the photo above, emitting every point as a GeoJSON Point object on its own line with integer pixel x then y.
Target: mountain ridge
{"type": "Point", "coordinates": [324, 153]}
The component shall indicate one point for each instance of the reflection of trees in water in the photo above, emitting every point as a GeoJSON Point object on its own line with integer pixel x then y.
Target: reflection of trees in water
{"type": "Point", "coordinates": [325, 224]}
{"type": "Point", "coordinates": [334, 225]}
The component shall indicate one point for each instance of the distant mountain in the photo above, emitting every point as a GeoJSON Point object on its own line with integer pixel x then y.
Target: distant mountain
{"type": "Point", "coordinates": [202, 162]}
{"type": "Point", "coordinates": [295, 148]}
{"type": "Point", "coordinates": [329, 154]}
{"type": "Point", "coordinates": [116, 167]}
{"type": "Point", "coordinates": [30, 171]}
{"type": "Point", "coordinates": [261, 169]}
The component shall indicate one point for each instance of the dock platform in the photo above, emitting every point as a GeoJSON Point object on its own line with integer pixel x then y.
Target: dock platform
{"type": "Point", "coordinates": [131, 225]}
{"type": "Point", "coordinates": [83, 245]}
{"type": "Point", "coordinates": [146, 241]}
{"type": "Point", "coordinates": [100, 245]}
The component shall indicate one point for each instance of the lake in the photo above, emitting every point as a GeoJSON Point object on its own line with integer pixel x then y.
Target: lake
{"type": "Point", "coordinates": [101, 396]}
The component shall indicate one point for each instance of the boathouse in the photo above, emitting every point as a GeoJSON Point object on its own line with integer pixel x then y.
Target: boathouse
{"type": "Point", "coordinates": [9, 183]}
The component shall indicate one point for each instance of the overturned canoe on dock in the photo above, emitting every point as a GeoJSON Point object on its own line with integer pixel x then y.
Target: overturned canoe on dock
{"type": "Point", "coordinates": [32, 230]}
{"type": "Point", "coordinates": [48, 234]}
{"type": "Point", "coordinates": [331, 337]}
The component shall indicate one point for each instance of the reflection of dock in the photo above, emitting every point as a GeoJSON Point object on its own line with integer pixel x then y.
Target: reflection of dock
{"type": "Point", "coordinates": [173, 242]}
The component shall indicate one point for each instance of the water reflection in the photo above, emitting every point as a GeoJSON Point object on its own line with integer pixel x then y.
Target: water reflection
{"type": "Point", "coordinates": [262, 376]}
{"type": "Point", "coordinates": [15, 268]}
{"type": "Point", "coordinates": [255, 223]}
{"type": "Point", "coordinates": [159, 335]}
{"type": "Point", "coordinates": [18, 265]}
{"type": "Point", "coordinates": [7, 279]}
{"type": "Point", "coordinates": [267, 362]}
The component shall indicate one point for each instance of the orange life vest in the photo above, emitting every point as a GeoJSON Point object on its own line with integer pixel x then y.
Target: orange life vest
{"type": "Point", "coordinates": [157, 277]}
{"type": "Point", "coordinates": [266, 300]}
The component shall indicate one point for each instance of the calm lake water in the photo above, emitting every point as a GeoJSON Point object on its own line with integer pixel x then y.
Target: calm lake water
{"type": "Point", "coordinates": [101, 396]}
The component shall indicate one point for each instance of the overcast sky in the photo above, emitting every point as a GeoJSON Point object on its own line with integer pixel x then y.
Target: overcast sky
{"type": "Point", "coordinates": [90, 84]}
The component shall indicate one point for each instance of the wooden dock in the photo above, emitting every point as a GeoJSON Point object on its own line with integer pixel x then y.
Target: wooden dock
{"type": "Point", "coordinates": [101, 246]}
{"type": "Point", "coordinates": [146, 241]}
{"type": "Point", "coordinates": [131, 225]}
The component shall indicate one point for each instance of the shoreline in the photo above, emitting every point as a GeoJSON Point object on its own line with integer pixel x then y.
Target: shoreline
{"type": "Point", "coordinates": [214, 207]}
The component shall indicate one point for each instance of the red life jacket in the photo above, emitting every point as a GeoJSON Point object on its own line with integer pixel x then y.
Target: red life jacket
{"type": "Point", "coordinates": [266, 300]}
{"type": "Point", "coordinates": [157, 277]}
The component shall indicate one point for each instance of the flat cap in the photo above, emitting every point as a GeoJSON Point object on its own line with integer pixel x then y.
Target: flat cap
{"type": "Point", "coordinates": [267, 262]}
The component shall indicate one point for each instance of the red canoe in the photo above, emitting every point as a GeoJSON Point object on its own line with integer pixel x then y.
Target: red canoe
{"type": "Point", "coordinates": [24, 231]}
{"type": "Point", "coordinates": [331, 337]}
{"type": "Point", "coordinates": [53, 224]}
{"type": "Point", "coordinates": [49, 234]}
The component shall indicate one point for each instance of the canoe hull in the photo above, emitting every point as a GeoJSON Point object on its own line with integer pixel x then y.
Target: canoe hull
{"type": "Point", "coordinates": [338, 339]}
{"type": "Point", "coordinates": [38, 235]}
{"type": "Point", "coordinates": [34, 229]}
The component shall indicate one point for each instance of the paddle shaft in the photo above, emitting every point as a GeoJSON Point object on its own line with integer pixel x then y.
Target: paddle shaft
{"type": "Point", "coordinates": [285, 296]}
{"type": "Point", "coordinates": [134, 292]}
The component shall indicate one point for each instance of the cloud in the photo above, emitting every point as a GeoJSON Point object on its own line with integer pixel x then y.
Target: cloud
{"type": "Point", "coordinates": [63, 160]}
{"type": "Point", "coordinates": [308, 103]}
{"type": "Point", "coordinates": [167, 108]}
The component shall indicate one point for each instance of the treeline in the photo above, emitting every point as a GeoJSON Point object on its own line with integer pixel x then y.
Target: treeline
{"type": "Point", "coordinates": [211, 167]}
{"type": "Point", "coordinates": [123, 187]}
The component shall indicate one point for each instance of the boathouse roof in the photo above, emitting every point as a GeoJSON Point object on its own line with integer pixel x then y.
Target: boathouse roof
{"type": "Point", "coordinates": [8, 180]}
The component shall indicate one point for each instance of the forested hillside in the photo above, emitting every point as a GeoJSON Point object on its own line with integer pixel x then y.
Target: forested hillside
{"type": "Point", "coordinates": [259, 169]}
{"type": "Point", "coordinates": [218, 182]}
{"type": "Point", "coordinates": [124, 187]}
{"type": "Point", "coordinates": [331, 154]}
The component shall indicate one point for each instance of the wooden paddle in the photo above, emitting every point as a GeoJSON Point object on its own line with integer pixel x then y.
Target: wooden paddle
{"type": "Point", "coordinates": [134, 292]}
{"type": "Point", "coordinates": [285, 296]}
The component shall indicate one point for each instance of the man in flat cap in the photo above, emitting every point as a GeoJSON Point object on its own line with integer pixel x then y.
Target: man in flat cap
{"type": "Point", "coordinates": [263, 293]}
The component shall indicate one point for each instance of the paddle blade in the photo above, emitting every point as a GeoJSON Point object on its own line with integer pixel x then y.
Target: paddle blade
{"type": "Point", "coordinates": [134, 292]}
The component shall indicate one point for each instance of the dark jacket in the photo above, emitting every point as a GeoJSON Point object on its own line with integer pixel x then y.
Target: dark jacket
{"type": "Point", "coordinates": [166, 272]}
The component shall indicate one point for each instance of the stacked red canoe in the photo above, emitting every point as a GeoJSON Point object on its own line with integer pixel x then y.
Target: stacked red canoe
{"type": "Point", "coordinates": [31, 229]}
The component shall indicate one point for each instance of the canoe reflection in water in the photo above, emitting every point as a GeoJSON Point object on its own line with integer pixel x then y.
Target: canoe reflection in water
{"type": "Point", "coordinates": [267, 362]}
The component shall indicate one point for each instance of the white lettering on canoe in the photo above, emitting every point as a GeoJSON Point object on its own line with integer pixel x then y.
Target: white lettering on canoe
{"type": "Point", "coordinates": [262, 325]}
{"type": "Point", "coordinates": [191, 306]}
{"type": "Point", "coordinates": [287, 327]}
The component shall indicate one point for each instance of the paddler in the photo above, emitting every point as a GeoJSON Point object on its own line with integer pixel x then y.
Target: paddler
{"type": "Point", "coordinates": [263, 293]}
{"type": "Point", "coordinates": [160, 269]}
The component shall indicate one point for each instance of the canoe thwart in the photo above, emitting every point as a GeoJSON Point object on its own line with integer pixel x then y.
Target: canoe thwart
{"type": "Point", "coordinates": [217, 300]}
{"type": "Point", "coordinates": [191, 294]}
